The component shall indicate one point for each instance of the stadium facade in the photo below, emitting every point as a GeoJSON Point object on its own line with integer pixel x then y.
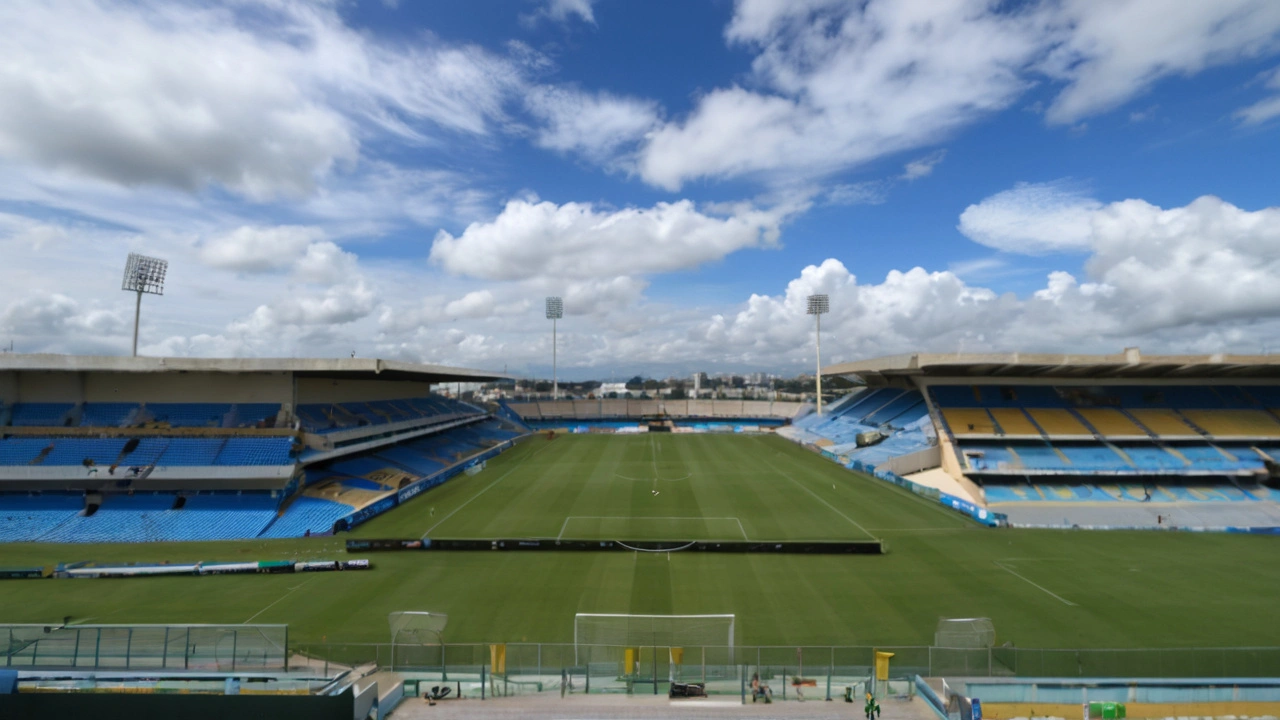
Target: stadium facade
{"type": "Point", "coordinates": [147, 449]}
{"type": "Point", "coordinates": [1125, 440]}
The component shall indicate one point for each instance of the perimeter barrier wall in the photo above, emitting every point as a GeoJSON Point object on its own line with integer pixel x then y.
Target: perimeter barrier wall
{"type": "Point", "coordinates": [222, 648]}
{"type": "Point", "coordinates": [543, 660]}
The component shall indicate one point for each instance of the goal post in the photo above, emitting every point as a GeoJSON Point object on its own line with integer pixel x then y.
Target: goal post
{"type": "Point", "coordinates": [623, 631]}
{"type": "Point", "coordinates": [412, 630]}
{"type": "Point", "coordinates": [971, 633]}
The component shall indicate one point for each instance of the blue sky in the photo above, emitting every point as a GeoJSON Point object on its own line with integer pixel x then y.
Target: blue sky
{"type": "Point", "coordinates": [410, 179]}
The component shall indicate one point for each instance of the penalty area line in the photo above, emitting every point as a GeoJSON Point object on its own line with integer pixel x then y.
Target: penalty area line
{"type": "Point", "coordinates": [293, 590]}
{"type": "Point", "coordinates": [486, 489]}
{"type": "Point", "coordinates": [1027, 580]}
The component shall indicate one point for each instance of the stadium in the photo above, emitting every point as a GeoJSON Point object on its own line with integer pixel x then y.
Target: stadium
{"type": "Point", "coordinates": [1009, 527]}
{"type": "Point", "coordinates": [670, 359]}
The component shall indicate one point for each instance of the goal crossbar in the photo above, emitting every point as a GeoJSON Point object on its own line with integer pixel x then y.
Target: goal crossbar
{"type": "Point", "coordinates": [636, 630]}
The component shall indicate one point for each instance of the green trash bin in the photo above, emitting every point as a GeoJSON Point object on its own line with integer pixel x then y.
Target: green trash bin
{"type": "Point", "coordinates": [1095, 709]}
{"type": "Point", "coordinates": [1109, 711]}
{"type": "Point", "coordinates": [1120, 713]}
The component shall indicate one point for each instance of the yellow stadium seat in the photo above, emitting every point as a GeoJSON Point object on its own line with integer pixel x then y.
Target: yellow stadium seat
{"type": "Point", "coordinates": [1245, 423]}
{"type": "Point", "coordinates": [1013, 422]}
{"type": "Point", "coordinates": [1163, 422]}
{"type": "Point", "coordinates": [1110, 422]}
{"type": "Point", "coordinates": [1058, 422]}
{"type": "Point", "coordinates": [969, 421]}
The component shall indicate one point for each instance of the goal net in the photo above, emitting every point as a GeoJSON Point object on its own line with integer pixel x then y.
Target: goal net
{"type": "Point", "coordinates": [416, 638]}
{"type": "Point", "coordinates": [964, 633]}
{"type": "Point", "coordinates": [613, 632]}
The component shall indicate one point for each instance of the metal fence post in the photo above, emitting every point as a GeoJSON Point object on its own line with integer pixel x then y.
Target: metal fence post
{"type": "Point", "coordinates": [97, 647]}
{"type": "Point", "coordinates": [128, 650]}
{"type": "Point", "coordinates": [164, 655]}
{"type": "Point", "coordinates": [235, 642]}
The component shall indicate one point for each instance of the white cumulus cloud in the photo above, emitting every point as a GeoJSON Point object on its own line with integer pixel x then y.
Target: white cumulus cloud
{"type": "Point", "coordinates": [264, 101]}
{"type": "Point", "coordinates": [259, 249]}
{"type": "Point", "coordinates": [836, 84]}
{"type": "Point", "coordinates": [1032, 218]}
{"type": "Point", "coordinates": [577, 241]}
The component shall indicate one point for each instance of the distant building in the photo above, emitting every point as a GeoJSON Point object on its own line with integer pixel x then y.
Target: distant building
{"type": "Point", "coordinates": [607, 388]}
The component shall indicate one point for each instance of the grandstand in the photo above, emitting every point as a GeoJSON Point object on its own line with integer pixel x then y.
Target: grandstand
{"type": "Point", "coordinates": [1102, 441]}
{"type": "Point", "coordinates": [96, 449]}
{"type": "Point", "coordinates": [700, 414]}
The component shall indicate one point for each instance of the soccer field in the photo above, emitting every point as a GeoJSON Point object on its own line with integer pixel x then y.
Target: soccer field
{"type": "Point", "coordinates": [1041, 588]}
{"type": "Point", "coordinates": [666, 487]}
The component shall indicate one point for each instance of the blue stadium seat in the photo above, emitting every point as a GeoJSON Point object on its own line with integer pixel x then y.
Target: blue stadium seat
{"type": "Point", "coordinates": [256, 451]}
{"type": "Point", "coordinates": [22, 451]}
{"type": "Point", "coordinates": [24, 518]}
{"type": "Point", "coordinates": [40, 414]}
{"type": "Point", "coordinates": [307, 513]}
{"type": "Point", "coordinates": [107, 414]}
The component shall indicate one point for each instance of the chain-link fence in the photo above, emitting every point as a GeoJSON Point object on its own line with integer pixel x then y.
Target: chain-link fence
{"type": "Point", "coordinates": [221, 648]}
{"type": "Point", "coordinates": [611, 667]}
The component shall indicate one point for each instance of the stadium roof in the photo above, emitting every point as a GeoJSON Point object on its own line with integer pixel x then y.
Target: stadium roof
{"type": "Point", "coordinates": [338, 368]}
{"type": "Point", "coordinates": [1129, 364]}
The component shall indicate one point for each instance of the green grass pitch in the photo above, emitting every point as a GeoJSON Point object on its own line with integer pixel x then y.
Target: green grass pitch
{"type": "Point", "coordinates": [1041, 588]}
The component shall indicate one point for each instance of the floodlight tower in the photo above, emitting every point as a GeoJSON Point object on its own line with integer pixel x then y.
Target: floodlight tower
{"type": "Point", "coordinates": [143, 274]}
{"type": "Point", "coordinates": [819, 305]}
{"type": "Point", "coordinates": [555, 311]}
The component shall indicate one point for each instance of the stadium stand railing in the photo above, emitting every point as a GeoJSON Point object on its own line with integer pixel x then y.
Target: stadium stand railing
{"type": "Point", "coordinates": [726, 670]}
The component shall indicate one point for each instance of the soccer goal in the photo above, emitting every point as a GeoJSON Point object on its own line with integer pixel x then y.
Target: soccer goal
{"type": "Point", "coordinates": [964, 633]}
{"type": "Point", "coordinates": [416, 638]}
{"type": "Point", "coordinates": [609, 633]}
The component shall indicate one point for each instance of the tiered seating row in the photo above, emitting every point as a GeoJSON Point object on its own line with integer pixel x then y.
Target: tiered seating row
{"type": "Point", "coordinates": [231, 451]}
{"type": "Point", "coordinates": [306, 513]}
{"type": "Point", "coordinates": [332, 417]}
{"type": "Point", "coordinates": [153, 517]}
{"type": "Point", "coordinates": [1111, 412]}
{"type": "Point", "coordinates": [1119, 492]}
{"type": "Point", "coordinates": [24, 518]}
{"type": "Point", "coordinates": [987, 458]}
{"type": "Point", "coordinates": [223, 415]}
{"type": "Point", "coordinates": [149, 517]}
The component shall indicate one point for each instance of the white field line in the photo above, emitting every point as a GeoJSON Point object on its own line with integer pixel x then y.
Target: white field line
{"type": "Point", "coordinates": [653, 454]}
{"type": "Point", "coordinates": [625, 477]}
{"type": "Point", "coordinates": [293, 590]}
{"type": "Point", "coordinates": [486, 488]}
{"type": "Point", "coordinates": [819, 498]}
{"type": "Point", "coordinates": [632, 518]}
{"type": "Point", "coordinates": [1014, 573]}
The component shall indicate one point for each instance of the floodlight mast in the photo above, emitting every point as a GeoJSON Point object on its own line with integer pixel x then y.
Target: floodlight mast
{"type": "Point", "coordinates": [818, 305]}
{"type": "Point", "coordinates": [555, 311]}
{"type": "Point", "coordinates": [143, 274]}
